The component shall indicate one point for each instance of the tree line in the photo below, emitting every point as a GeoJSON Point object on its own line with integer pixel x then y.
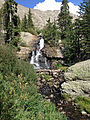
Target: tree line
{"type": "Point", "coordinates": [75, 36]}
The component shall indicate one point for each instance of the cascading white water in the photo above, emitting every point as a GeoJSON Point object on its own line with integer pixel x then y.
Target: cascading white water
{"type": "Point", "coordinates": [32, 58]}
{"type": "Point", "coordinates": [38, 60]}
{"type": "Point", "coordinates": [41, 43]}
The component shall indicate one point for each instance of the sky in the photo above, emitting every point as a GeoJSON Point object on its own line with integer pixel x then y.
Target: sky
{"type": "Point", "coordinates": [50, 4]}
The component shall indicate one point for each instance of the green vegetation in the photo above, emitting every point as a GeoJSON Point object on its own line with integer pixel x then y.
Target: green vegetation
{"type": "Point", "coordinates": [45, 76]}
{"type": "Point", "coordinates": [19, 98]}
{"type": "Point", "coordinates": [84, 30]}
{"type": "Point", "coordinates": [75, 36]}
{"type": "Point", "coordinates": [11, 22]}
{"type": "Point", "coordinates": [23, 44]}
{"type": "Point", "coordinates": [83, 103]}
{"type": "Point", "coordinates": [64, 20]}
{"type": "Point", "coordinates": [27, 24]}
{"type": "Point", "coordinates": [60, 66]}
{"type": "Point", "coordinates": [51, 33]}
{"type": "Point", "coordinates": [66, 96]}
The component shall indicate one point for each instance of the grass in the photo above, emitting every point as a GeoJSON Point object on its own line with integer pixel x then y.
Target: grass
{"type": "Point", "coordinates": [45, 76]}
{"type": "Point", "coordinates": [66, 96]}
{"type": "Point", "coordinates": [83, 103]}
{"type": "Point", "coordinates": [60, 66]}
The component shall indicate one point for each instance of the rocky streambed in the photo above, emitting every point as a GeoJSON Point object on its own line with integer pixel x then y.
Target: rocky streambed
{"type": "Point", "coordinates": [49, 83]}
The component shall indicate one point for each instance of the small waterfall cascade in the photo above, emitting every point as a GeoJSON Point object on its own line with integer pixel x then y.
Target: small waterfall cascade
{"type": "Point", "coordinates": [37, 59]}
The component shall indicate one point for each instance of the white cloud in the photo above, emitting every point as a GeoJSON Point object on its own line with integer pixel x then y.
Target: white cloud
{"type": "Point", "coordinates": [53, 5]}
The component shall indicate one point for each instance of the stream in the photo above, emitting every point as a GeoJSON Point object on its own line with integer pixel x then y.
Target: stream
{"type": "Point", "coordinates": [52, 94]}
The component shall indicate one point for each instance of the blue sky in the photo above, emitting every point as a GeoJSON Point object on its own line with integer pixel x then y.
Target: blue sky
{"type": "Point", "coordinates": [32, 3]}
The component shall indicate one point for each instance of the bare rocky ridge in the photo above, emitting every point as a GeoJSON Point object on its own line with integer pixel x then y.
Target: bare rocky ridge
{"type": "Point", "coordinates": [39, 17]}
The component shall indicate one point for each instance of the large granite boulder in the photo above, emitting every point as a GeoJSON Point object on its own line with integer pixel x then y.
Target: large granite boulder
{"type": "Point", "coordinates": [77, 79]}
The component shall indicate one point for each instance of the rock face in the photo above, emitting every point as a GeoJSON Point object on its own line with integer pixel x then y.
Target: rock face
{"type": "Point", "coordinates": [77, 79]}
{"type": "Point", "coordinates": [40, 17]}
{"type": "Point", "coordinates": [52, 52]}
{"type": "Point", "coordinates": [27, 44]}
{"type": "Point", "coordinates": [29, 39]}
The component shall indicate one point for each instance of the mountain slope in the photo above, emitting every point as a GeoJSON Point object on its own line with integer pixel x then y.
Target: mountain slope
{"type": "Point", "coordinates": [39, 17]}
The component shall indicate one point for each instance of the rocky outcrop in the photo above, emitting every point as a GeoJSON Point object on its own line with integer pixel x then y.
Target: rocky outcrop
{"type": "Point", "coordinates": [40, 17]}
{"type": "Point", "coordinates": [29, 39]}
{"type": "Point", "coordinates": [52, 52]}
{"type": "Point", "coordinates": [26, 44]}
{"type": "Point", "coordinates": [77, 79]}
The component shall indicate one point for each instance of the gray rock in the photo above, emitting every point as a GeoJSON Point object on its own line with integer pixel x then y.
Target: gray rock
{"type": "Point", "coordinates": [76, 88]}
{"type": "Point", "coordinates": [77, 80]}
{"type": "Point", "coordinates": [79, 71]}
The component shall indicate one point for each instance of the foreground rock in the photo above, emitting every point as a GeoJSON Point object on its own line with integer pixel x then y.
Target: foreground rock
{"type": "Point", "coordinates": [77, 80]}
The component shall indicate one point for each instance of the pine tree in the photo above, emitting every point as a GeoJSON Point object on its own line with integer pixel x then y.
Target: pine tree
{"type": "Point", "coordinates": [24, 26]}
{"type": "Point", "coordinates": [67, 33]}
{"type": "Point", "coordinates": [0, 25]}
{"type": "Point", "coordinates": [30, 22]}
{"type": "Point", "coordinates": [11, 22]}
{"type": "Point", "coordinates": [64, 19]}
{"type": "Point", "coordinates": [85, 29]}
{"type": "Point", "coordinates": [51, 33]}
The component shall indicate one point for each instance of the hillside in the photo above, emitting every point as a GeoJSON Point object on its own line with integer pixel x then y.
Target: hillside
{"type": "Point", "coordinates": [39, 17]}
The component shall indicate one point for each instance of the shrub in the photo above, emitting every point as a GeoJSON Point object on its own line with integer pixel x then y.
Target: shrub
{"type": "Point", "coordinates": [83, 103]}
{"type": "Point", "coordinates": [23, 44]}
{"type": "Point", "coordinates": [7, 59]}
{"type": "Point", "coordinates": [45, 76]}
{"type": "Point", "coordinates": [60, 66]}
{"type": "Point", "coordinates": [32, 31]}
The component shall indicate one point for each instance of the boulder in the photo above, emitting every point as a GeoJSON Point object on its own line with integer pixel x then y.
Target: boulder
{"type": "Point", "coordinates": [79, 71]}
{"type": "Point", "coordinates": [77, 80]}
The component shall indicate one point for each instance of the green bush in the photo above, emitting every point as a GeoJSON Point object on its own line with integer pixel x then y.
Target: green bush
{"type": "Point", "coordinates": [83, 103]}
{"type": "Point", "coordinates": [8, 59]}
{"type": "Point", "coordinates": [23, 44]}
{"type": "Point", "coordinates": [60, 66]}
{"type": "Point", "coordinates": [32, 31]}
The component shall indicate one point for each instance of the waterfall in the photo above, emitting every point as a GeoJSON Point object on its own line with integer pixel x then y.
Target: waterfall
{"type": "Point", "coordinates": [32, 58]}
{"type": "Point", "coordinates": [41, 43]}
{"type": "Point", "coordinates": [37, 58]}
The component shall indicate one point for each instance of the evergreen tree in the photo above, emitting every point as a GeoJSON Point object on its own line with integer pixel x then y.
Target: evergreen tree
{"type": "Point", "coordinates": [24, 24]}
{"type": "Point", "coordinates": [27, 24]}
{"type": "Point", "coordinates": [11, 22]}
{"type": "Point", "coordinates": [30, 22]}
{"type": "Point", "coordinates": [0, 25]}
{"type": "Point", "coordinates": [51, 33]}
{"type": "Point", "coordinates": [85, 29]}
{"type": "Point", "coordinates": [64, 19]}
{"type": "Point", "coordinates": [67, 33]}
